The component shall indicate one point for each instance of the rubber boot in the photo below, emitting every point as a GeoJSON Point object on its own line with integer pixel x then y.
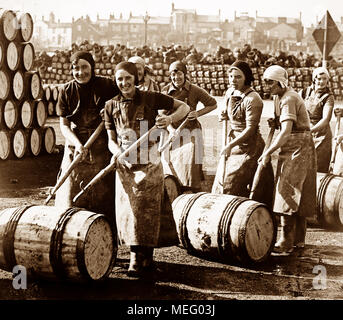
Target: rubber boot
{"type": "Point", "coordinates": [285, 243]}
{"type": "Point", "coordinates": [300, 233]}
{"type": "Point", "coordinates": [136, 261]}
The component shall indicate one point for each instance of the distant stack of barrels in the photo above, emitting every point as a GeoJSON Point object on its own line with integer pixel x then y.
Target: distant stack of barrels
{"type": "Point", "coordinates": [212, 77]}
{"type": "Point", "coordinates": [23, 111]}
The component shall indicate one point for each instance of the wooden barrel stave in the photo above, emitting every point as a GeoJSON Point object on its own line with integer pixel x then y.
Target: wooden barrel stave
{"type": "Point", "coordinates": [20, 142]}
{"type": "Point", "coordinates": [5, 84]}
{"type": "Point", "coordinates": [35, 141]}
{"type": "Point", "coordinates": [225, 226]}
{"type": "Point", "coordinates": [41, 113]}
{"type": "Point", "coordinates": [28, 56]}
{"type": "Point", "coordinates": [34, 243]}
{"type": "Point", "coordinates": [14, 55]}
{"type": "Point", "coordinates": [49, 139]}
{"type": "Point", "coordinates": [11, 114]}
{"type": "Point", "coordinates": [27, 113]}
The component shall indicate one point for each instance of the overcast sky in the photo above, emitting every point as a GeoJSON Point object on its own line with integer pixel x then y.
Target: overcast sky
{"type": "Point", "coordinates": [66, 9]}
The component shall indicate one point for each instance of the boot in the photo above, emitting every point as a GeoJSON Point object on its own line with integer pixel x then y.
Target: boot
{"type": "Point", "coordinates": [285, 243]}
{"type": "Point", "coordinates": [148, 258]}
{"type": "Point", "coordinates": [300, 231]}
{"type": "Point", "coordinates": [136, 261]}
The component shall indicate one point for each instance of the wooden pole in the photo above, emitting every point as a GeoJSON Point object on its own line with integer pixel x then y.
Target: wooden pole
{"type": "Point", "coordinates": [324, 63]}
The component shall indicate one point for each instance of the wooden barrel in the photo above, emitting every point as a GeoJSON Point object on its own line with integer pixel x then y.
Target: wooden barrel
{"type": "Point", "coordinates": [172, 186]}
{"type": "Point", "coordinates": [329, 201]}
{"type": "Point", "coordinates": [35, 140]}
{"type": "Point", "coordinates": [55, 92]}
{"type": "Point", "coordinates": [27, 84]}
{"type": "Point", "coordinates": [52, 243]}
{"type": "Point", "coordinates": [14, 52]}
{"type": "Point", "coordinates": [223, 226]}
{"type": "Point", "coordinates": [20, 143]}
{"type": "Point", "coordinates": [41, 112]}
{"type": "Point", "coordinates": [27, 114]}
{"type": "Point", "coordinates": [2, 54]}
{"type": "Point", "coordinates": [28, 56]}
{"type": "Point", "coordinates": [5, 84]}
{"type": "Point", "coordinates": [25, 22]}
{"type": "Point", "coordinates": [5, 145]}
{"type": "Point", "coordinates": [11, 114]}
{"type": "Point", "coordinates": [51, 108]}
{"type": "Point", "coordinates": [47, 92]}
{"type": "Point", "coordinates": [8, 25]}
{"type": "Point", "coordinates": [49, 139]}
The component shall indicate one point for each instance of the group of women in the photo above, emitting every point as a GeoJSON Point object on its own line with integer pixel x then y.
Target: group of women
{"type": "Point", "coordinates": [132, 105]}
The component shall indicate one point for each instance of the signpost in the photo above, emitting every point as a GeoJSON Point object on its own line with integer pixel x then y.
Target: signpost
{"type": "Point", "coordinates": [326, 36]}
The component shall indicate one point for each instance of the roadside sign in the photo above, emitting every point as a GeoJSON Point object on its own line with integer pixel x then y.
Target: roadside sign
{"type": "Point", "coordinates": [326, 34]}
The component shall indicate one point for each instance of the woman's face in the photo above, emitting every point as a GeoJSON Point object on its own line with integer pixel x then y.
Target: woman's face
{"type": "Point", "coordinates": [321, 81]}
{"type": "Point", "coordinates": [82, 71]}
{"type": "Point", "coordinates": [236, 79]}
{"type": "Point", "coordinates": [140, 70]}
{"type": "Point", "coordinates": [273, 86]}
{"type": "Point", "coordinates": [178, 78]}
{"type": "Point", "coordinates": [125, 82]}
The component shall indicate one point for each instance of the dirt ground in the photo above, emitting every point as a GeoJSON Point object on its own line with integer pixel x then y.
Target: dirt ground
{"type": "Point", "coordinates": [315, 272]}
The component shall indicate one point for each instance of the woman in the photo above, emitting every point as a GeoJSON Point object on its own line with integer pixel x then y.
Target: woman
{"type": "Point", "coordinates": [185, 156]}
{"type": "Point", "coordinates": [139, 180]}
{"type": "Point", "coordinates": [295, 192]}
{"type": "Point", "coordinates": [79, 104]}
{"type": "Point", "coordinates": [319, 103]}
{"type": "Point", "coordinates": [145, 82]}
{"type": "Point", "coordinates": [243, 107]}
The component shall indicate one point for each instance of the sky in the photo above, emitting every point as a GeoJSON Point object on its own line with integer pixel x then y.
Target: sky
{"type": "Point", "coordinates": [311, 10]}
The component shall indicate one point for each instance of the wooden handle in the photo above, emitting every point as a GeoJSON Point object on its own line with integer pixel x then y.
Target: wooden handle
{"type": "Point", "coordinates": [334, 152]}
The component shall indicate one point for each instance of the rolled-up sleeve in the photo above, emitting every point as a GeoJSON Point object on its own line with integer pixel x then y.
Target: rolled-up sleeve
{"type": "Point", "coordinates": [288, 109]}
{"type": "Point", "coordinates": [254, 106]}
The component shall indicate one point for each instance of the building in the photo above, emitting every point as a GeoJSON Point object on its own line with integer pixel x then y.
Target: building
{"type": "Point", "coordinates": [51, 35]}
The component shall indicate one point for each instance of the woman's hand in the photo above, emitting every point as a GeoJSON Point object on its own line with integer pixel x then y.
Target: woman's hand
{"type": "Point", "coordinates": [163, 121]}
{"type": "Point", "coordinates": [80, 149]}
{"type": "Point", "coordinates": [339, 139]}
{"type": "Point", "coordinates": [226, 150]}
{"type": "Point", "coordinates": [193, 115]}
{"type": "Point", "coordinates": [264, 159]}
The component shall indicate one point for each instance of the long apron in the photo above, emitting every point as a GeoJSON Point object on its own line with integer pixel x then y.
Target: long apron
{"type": "Point", "coordinates": [241, 165]}
{"type": "Point", "coordinates": [296, 176]}
{"type": "Point", "coordinates": [323, 139]}
{"type": "Point", "coordinates": [139, 188]}
{"type": "Point", "coordinates": [184, 158]}
{"type": "Point", "coordinates": [100, 198]}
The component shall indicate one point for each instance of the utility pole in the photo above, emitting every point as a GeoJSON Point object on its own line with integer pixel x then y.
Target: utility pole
{"type": "Point", "coordinates": [146, 18]}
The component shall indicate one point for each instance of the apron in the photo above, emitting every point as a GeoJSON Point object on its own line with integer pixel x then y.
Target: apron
{"type": "Point", "coordinates": [139, 186]}
{"type": "Point", "coordinates": [100, 198]}
{"type": "Point", "coordinates": [241, 165]}
{"type": "Point", "coordinates": [323, 139]}
{"type": "Point", "coordinates": [296, 176]}
{"type": "Point", "coordinates": [184, 158]}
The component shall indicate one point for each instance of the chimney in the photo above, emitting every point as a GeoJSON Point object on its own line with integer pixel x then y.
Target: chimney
{"type": "Point", "coordinates": [173, 7]}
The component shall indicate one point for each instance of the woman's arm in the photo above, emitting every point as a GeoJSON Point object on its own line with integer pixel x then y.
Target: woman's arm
{"type": "Point", "coordinates": [71, 136]}
{"type": "Point", "coordinates": [327, 114]}
{"type": "Point", "coordinates": [280, 140]}
{"type": "Point", "coordinates": [181, 111]}
{"type": "Point", "coordinates": [112, 143]}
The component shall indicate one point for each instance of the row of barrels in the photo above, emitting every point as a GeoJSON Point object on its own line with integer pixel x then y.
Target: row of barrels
{"type": "Point", "coordinates": [50, 96]}
{"type": "Point", "coordinates": [15, 25]}
{"type": "Point", "coordinates": [224, 227]}
{"type": "Point", "coordinates": [18, 143]}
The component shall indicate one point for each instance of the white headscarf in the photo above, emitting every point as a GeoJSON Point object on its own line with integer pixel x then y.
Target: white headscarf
{"type": "Point", "coordinates": [277, 73]}
{"type": "Point", "coordinates": [318, 71]}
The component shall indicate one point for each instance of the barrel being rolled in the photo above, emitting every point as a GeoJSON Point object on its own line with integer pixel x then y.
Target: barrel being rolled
{"type": "Point", "coordinates": [223, 226]}
{"type": "Point", "coordinates": [57, 244]}
{"type": "Point", "coordinates": [329, 201]}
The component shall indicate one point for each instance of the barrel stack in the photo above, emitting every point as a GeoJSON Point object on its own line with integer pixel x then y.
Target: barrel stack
{"type": "Point", "coordinates": [23, 109]}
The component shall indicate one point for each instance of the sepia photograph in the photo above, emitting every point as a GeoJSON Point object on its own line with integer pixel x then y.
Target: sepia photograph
{"type": "Point", "coordinates": [171, 158]}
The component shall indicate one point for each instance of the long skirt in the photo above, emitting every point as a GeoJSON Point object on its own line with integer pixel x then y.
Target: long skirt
{"type": "Point", "coordinates": [296, 177]}
{"type": "Point", "coordinates": [184, 158]}
{"type": "Point", "coordinates": [323, 146]}
{"type": "Point", "coordinates": [139, 196]}
{"type": "Point", "coordinates": [240, 168]}
{"type": "Point", "coordinates": [100, 198]}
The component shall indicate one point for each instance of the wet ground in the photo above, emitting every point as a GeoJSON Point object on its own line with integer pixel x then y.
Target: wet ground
{"type": "Point", "coordinates": [315, 272]}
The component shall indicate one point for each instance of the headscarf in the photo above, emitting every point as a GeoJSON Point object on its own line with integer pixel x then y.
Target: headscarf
{"type": "Point", "coordinates": [318, 71]}
{"type": "Point", "coordinates": [178, 66]}
{"type": "Point", "coordinates": [277, 73]}
{"type": "Point", "coordinates": [137, 59]}
{"type": "Point", "coordinates": [129, 67]}
{"type": "Point", "coordinates": [243, 67]}
{"type": "Point", "coordinates": [85, 55]}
